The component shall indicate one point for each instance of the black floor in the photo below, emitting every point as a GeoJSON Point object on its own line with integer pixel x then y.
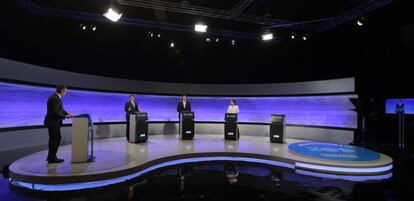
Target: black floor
{"type": "Point", "coordinates": [238, 181]}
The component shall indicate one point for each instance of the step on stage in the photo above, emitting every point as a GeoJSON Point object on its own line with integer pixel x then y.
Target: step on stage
{"type": "Point", "coordinates": [118, 161]}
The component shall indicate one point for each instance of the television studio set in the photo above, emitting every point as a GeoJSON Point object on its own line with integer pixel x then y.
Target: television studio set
{"type": "Point", "coordinates": [149, 100]}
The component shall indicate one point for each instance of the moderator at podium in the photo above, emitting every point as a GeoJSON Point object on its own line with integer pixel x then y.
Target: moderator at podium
{"type": "Point", "coordinates": [131, 107]}
{"type": "Point", "coordinates": [53, 121]}
{"type": "Point", "coordinates": [183, 106]}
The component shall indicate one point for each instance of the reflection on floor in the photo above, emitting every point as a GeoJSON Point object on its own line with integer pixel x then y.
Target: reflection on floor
{"type": "Point", "coordinates": [234, 181]}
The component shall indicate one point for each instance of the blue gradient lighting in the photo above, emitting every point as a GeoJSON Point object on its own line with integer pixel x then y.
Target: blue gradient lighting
{"type": "Point", "coordinates": [17, 101]}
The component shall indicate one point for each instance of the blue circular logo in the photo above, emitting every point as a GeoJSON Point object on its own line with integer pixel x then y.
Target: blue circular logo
{"type": "Point", "coordinates": [333, 152]}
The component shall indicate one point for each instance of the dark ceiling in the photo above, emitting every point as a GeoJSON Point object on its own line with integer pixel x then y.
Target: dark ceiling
{"type": "Point", "coordinates": [127, 51]}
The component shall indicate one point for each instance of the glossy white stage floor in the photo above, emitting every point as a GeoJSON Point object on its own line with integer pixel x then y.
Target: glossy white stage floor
{"type": "Point", "coordinates": [117, 161]}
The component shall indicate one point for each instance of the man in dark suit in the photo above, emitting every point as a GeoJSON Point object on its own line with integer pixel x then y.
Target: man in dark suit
{"type": "Point", "coordinates": [183, 105]}
{"type": "Point", "coordinates": [53, 120]}
{"type": "Point", "coordinates": [131, 107]}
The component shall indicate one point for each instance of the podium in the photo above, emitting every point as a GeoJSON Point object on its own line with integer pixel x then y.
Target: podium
{"type": "Point", "coordinates": [186, 125]}
{"type": "Point", "coordinates": [138, 127]}
{"type": "Point", "coordinates": [277, 128]}
{"type": "Point", "coordinates": [82, 139]}
{"type": "Point", "coordinates": [231, 131]}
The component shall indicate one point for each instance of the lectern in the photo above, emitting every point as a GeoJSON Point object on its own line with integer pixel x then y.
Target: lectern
{"type": "Point", "coordinates": [277, 128]}
{"type": "Point", "coordinates": [82, 139]}
{"type": "Point", "coordinates": [231, 131]}
{"type": "Point", "coordinates": [186, 125]}
{"type": "Point", "coordinates": [400, 111]}
{"type": "Point", "coordinates": [138, 127]}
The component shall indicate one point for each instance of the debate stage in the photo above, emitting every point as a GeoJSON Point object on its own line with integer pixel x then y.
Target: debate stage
{"type": "Point", "coordinates": [118, 161]}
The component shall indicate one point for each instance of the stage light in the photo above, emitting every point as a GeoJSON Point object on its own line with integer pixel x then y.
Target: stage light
{"type": "Point", "coordinates": [304, 38]}
{"type": "Point", "coordinates": [172, 44]}
{"type": "Point", "coordinates": [217, 40]}
{"type": "Point", "coordinates": [150, 34]}
{"type": "Point", "coordinates": [93, 28]}
{"type": "Point", "coordinates": [83, 27]}
{"type": "Point", "coordinates": [200, 28]}
{"type": "Point", "coordinates": [267, 36]}
{"type": "Point", "coordinates": [208, 39]}
{"type": "Point", "coordinates": [112, 15]}
{"type": "Point", "coordinates": [292, 36]}
{"type": "Point", "coordinates": [361, 21]}
{"type": "Point", "coordinates": [159, 35]}
{"type": "Point", "coordinates": [233, 42]}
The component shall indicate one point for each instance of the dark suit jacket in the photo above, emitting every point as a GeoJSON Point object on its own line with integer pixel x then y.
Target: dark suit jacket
{"type": "Point", "coordinates": [180, 107]}
{"type": "Point", "coordinates": [55, 112]}
{"type": "Point", "coordinates": [133, 109]}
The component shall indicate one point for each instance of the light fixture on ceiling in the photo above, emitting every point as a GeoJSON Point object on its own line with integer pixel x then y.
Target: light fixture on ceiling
{"type": "Point", "coordinates": [200, 28]}
{"type": "Point", "coordinates": [112, 15]}
{"type": "Point", "coordinates": [267, 36]}
{"type": "Point", "coordinates": [361, 21]}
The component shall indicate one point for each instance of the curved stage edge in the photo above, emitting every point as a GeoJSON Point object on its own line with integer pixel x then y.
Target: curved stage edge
{"type": "Point", "coordinates": [118, 161]}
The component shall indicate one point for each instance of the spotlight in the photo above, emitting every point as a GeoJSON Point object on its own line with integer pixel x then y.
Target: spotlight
{"type": "Point", "coordinates": [304, 38]}
{"type": "Point", "coordinates": [93, 28]}
{"type": "Point", "coordinates": [217, 40]}
{"type": "Point", "coordinates": [267, 36]}
{"type": "Point", "coordinates": [208, 39]}
{"type": "Point", "coordinates": [159, 35]}
{"type": "Point", "coordinates": [361, 21]}
{"type": "Point", "coordinates": [112, 15]}
{"type": "Point", "coordinates": [83, 27]}
{"type": "Point", "coordinates": [150, 34]}
{"type": "Point", "coordinates": [292, 36]}
{"type": "Point", "coordinates": [233, 42]}
{"type": "Point", "coordinates": [172, 45]}
{"type": "Point", "coordinates": [200, 28]}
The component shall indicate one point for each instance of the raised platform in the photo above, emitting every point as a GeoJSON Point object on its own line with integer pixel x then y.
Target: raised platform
{"type": "Point", "coordinates": [118, 161]}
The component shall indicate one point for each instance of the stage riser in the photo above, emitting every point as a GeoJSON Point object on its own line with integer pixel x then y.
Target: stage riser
{"type": "Point", "coordinates": [16, 144]}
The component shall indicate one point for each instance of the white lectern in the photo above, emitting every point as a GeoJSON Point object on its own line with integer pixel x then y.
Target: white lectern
{"type": "Point", "coordinates": [82, 139]}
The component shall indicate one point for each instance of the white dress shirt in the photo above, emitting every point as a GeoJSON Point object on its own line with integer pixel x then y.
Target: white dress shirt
{"type": "Point", "coordinates": [233, 109]}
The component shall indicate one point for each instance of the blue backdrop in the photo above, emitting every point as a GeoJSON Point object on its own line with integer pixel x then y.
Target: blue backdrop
{"type": "Point", "coordinates": [25, 105]}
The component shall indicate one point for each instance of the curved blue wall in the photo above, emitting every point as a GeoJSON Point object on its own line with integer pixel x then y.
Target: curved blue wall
{"type": "Point", "coordinates": [25, 105]}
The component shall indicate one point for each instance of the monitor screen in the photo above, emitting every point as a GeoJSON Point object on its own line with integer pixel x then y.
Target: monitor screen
{"type": "Point", "coordinates": [391, 106]}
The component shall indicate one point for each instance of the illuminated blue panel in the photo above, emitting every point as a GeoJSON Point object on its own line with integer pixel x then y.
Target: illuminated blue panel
{"type": "Point", "coordinates": [390, 105]}
{"type": "Point", "coordinates": [24, 105]}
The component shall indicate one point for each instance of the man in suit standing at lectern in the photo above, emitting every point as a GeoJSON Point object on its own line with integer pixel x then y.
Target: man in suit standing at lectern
{"type": "Point", "coordinates": [53, 120]}
{"type": "Point", "coordinates": [183, 106]}
{"type": "Point", "coordinates": [131, 107]}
